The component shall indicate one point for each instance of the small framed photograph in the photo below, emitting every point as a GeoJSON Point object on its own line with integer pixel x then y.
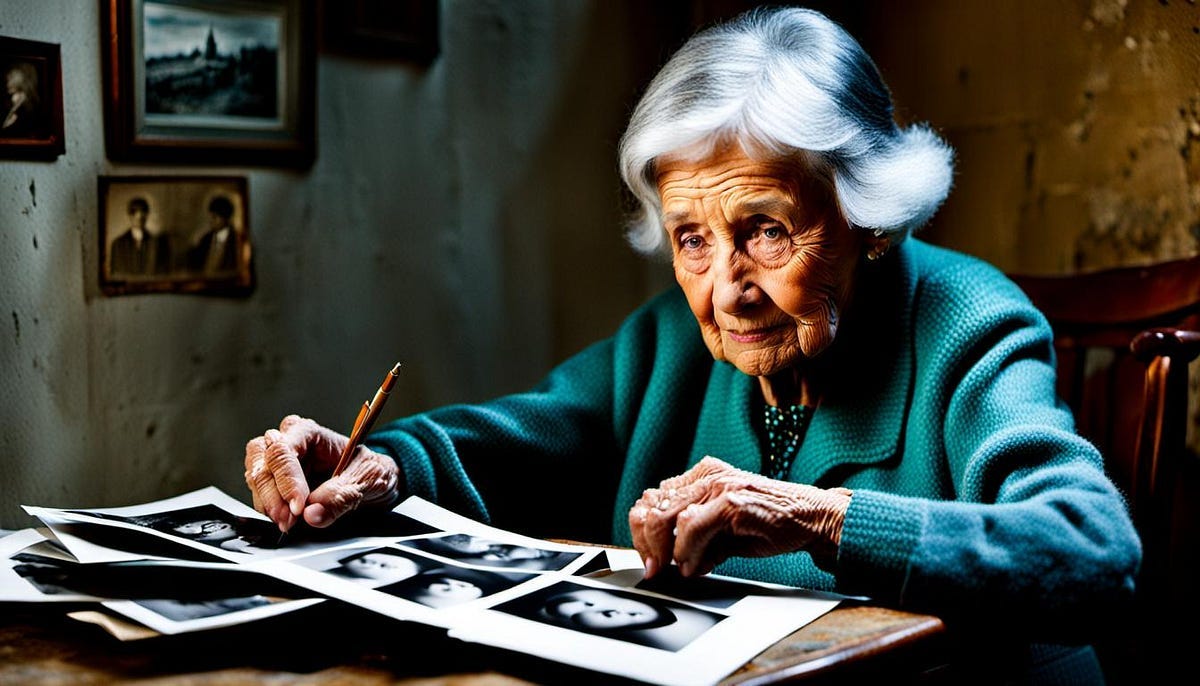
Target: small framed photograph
{"type": "Point", "coordinates": [210, 81]}
{"type": "Point", "coordinates": [31, 117]}
{"type": "Point", "coordinates": [185, 234]}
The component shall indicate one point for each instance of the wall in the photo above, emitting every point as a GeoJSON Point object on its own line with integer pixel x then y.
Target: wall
{"type": "Point", "coordinates": [1076, 126]}
{"type": "Point", "coordinates": [463, 219]}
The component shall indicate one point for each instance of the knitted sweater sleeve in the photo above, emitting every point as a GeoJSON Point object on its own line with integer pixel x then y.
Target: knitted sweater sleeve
{"type": "Point", "coordinates": [529, 461]}
{"type": "Point", "coordinates": [551, 461]}
{"type": "Point", "coordinates": [1033, 529]}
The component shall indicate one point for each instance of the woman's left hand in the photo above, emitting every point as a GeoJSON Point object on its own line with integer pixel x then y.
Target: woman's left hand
{"type": "Point", "coordinates": [714, 511]}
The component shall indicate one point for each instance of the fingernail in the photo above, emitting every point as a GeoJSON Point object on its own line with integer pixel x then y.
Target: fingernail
{"type": "Point", "coordinates": [296, 507]}
{"type": "Point", "coordinates": [685, 568]}
{"type": "Point", "coordinates": [651, 567]}
{"type": "Point", "coordinates": [317, 515]}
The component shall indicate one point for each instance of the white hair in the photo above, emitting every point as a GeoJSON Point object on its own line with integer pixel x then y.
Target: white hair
{"type": "Point", "coordinates": [790, 83]}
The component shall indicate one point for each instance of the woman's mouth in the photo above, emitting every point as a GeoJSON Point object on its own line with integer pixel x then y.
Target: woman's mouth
{"type": "Point", "coordinates": [751, 335]}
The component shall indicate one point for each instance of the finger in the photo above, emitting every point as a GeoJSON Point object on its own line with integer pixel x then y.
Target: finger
{"type": "Point", "coordinates": [262, 485]}
{"type": "Point", "coordinates": [658, 529]}
{"type": "Point", "coordinates": [637, 522]}
{"type": "Point", "coordinates": [697, 526]}
{"type": "Point", "coordinates": [369, 479]}
{"type": "Point", "coordinates": [331, 500]}
{"type": "Point", "coordinates": [282, 456]}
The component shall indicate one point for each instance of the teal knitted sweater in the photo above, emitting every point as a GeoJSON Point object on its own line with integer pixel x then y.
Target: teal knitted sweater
{"type": "Point", "coordinates": [971, 490]}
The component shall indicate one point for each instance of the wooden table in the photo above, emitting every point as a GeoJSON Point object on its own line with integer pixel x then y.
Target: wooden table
{"type": "Point", "coordinates": [332, 644]}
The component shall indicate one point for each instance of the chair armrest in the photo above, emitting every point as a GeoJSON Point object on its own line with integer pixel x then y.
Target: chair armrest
{"type": "Point", "coordinates": [1166, 342]}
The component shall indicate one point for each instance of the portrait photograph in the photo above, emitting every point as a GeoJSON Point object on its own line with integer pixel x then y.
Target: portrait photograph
{"type": "Point", "coordinates": [177, 616]}
{"type": "Point", "coordinates": [174, 234]}
{"type": "Point", "coordinates": [31, 117]}
{"type": "Point", "coordinates": [370, 566]}
{"type": "Point", "coordinates": [210, 82]}
{"type": "Point", "coordinates": [448, 585]}
{"type": "Point", "coordinates": [207, 524]}
{"type": "Point", "coordinates": [183, 610]}
{"type": "Point", "coordinates": [622, 615]}
{"type": "Point", "coordinates": [479, 550]}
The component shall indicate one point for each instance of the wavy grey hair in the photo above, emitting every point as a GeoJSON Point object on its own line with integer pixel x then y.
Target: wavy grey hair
{"type": "Point", "coordinates": [788, 83]}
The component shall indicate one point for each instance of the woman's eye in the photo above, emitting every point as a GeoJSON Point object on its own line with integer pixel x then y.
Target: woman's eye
{"type": "Point", "coordinates": [691, 242]}
{"type": "Point", "coordinates": [772, 232]}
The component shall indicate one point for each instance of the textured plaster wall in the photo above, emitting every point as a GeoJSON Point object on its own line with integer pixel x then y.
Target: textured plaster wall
{"type": "Point", "coordinates": [1076, 124]}
{"type": "Point", "coordinates": [463, 219]}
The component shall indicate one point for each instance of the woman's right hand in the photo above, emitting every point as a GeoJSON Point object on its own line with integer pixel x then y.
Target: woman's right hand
{"type": "Point", "coordinates": [281, 462]}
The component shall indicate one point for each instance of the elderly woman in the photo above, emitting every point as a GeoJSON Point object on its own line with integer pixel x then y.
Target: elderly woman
{"type": "Point", "coordinates": [857, 411]}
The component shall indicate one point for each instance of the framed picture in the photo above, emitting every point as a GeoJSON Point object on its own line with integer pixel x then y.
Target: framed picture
{"type": "Point", "coordinates": [381, 29]}
{"type": "Point", "coordinates": [186, 234]}
{"type": "Point", "coordinates": [31, 118]}
{"type": "Point", "coordinates": [210, 81]}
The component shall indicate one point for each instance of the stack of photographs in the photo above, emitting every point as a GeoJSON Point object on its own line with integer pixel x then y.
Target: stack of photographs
{"type": "Point", "coordinates": [205, 560]}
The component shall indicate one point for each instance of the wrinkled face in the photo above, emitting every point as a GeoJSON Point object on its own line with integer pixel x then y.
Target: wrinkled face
{"type": "Point", "coordinates": [595, 609]}
{"type": "Point", "coordinates": [763, 254]}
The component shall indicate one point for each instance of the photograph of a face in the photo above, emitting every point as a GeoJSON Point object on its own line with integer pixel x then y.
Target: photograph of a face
{"type": "Point", "coordinates": [621, 615]}
{"type": "Point", "coordinates": [447, 585]}
{"type": "Point", "coordinates": [482, 551]}
{"type": "Point", "coordinates": [369, 566]}
{"type": "Point", "coordinates": [181, 234]}
{"type": "Point", "coordinates": [31, 120]}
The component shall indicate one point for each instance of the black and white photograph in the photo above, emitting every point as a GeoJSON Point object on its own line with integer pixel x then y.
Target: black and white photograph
{"type": "Point", "coordinates": [182, 615]}
{"type": "Point", "coordinates": [31, 114]}
{"type": "Point", "coordinates": [184, 610]}
{"type": "Point", "coordinates": [449, 585]}
{"type": "Point", "coordinates": [185, 234]}
{"type": "Point", "coordinates": [207, 524]}
{"type": "Point", "coordinates": [622, 615]}
{"type": "Point", "coordinates": [370, 566]}
{"type": "Point", "coordinates": [483, 551]}
{"type": "Point", "coordinates": [211, 82]}
{"type": "Point", "coordinates": [207, 520]}
{"type": "Point", "coordinates": [473, 543]}
{"type": "Point", "coordinates": [27, 575]}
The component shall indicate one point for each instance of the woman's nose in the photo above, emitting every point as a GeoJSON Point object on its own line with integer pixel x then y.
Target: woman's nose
{"type": "Point", "coordinates": [733, 287]}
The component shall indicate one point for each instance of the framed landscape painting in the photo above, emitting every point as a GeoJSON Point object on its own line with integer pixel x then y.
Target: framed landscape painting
{"type": "Point", "coordinates": [210, 81]}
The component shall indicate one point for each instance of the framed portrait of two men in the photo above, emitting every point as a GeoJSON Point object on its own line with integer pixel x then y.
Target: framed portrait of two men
{"type": "Point", "coordinates": [184, 234]}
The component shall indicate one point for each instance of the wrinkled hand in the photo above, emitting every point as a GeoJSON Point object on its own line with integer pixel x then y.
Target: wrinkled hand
{"type": "Point", "coordinates": [713, 511]}
{"type": "Point", "coordinates": [280, 463]}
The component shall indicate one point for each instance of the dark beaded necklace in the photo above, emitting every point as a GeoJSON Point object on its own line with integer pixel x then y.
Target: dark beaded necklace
{"type": "Point", "coordinates": [784, 428]}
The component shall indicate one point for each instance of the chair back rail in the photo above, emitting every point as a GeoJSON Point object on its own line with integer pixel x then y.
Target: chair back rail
{"type": "Point", "coordinates": [1123, 339]}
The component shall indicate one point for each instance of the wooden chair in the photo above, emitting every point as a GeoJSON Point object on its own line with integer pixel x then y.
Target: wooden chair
{"type": "Point", "coordinates": [1124, 338]}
